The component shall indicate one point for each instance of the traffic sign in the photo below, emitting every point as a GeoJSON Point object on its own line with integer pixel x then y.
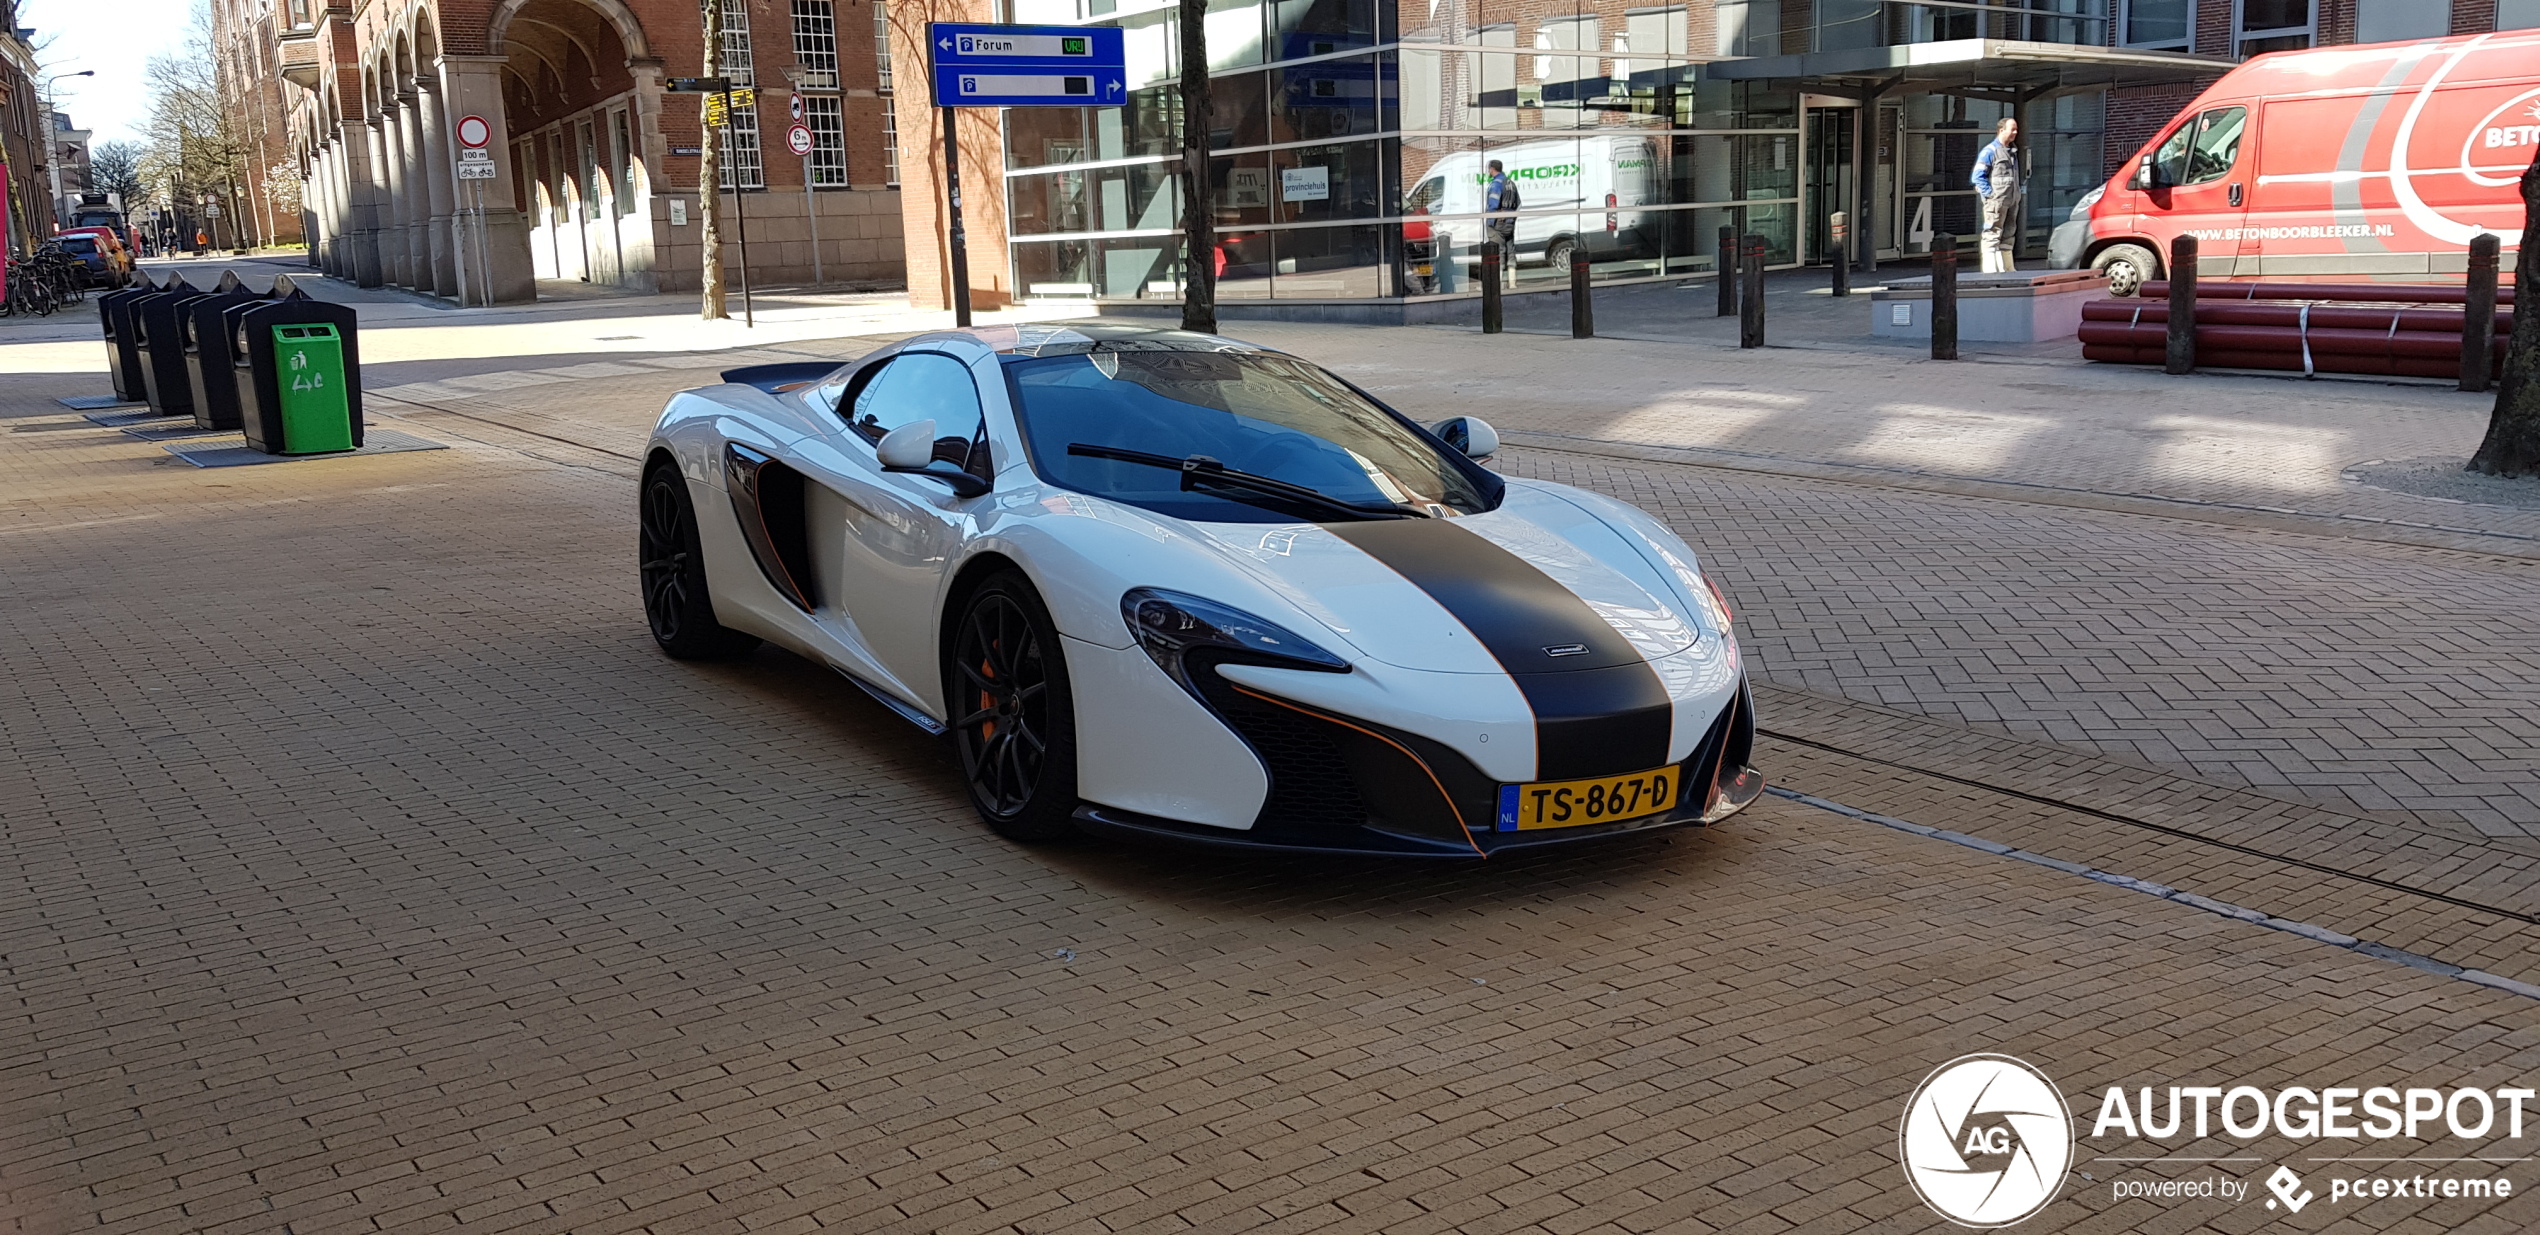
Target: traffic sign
{"type": "Point", "coordinates": [697, 85]}
{"type": "Point", "coordinates": [476, 171]}
{"type": "Point", "coordinates": [474, 132]}
{"type": "Point", "coordinates": [475, 154]}
{"type": "Point", "coordinates": [1028, 66]}
{"type": "Point", "coordinates": [798, 139]}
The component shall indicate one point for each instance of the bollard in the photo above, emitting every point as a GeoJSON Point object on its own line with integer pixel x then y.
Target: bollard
{"type": "Point", "coordinates": [1490, 287]}
{"type": "Point", "coordinates": [2182, 332]}
{"type": "Point", "coordinates": [1944, 298]}
{"type": "Point", "coordinates": [1750, 315]}
{"type": "Point", "coordinates": [1840, 226]}
{"type": "Point", "coordinates": [2478, 313]}
{"type": "Point", "coordinates": [1582, 315]}
{"type": "Point", "coordinates": [1727, 266]}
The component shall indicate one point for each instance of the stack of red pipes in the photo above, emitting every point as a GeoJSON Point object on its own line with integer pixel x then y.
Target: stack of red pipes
{"type": "Point", "coordinates": [2403, 329]}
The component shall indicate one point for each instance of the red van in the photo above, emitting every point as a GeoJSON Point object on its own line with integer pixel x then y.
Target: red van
{"type": "Point", "coordinates": [2376, 161]}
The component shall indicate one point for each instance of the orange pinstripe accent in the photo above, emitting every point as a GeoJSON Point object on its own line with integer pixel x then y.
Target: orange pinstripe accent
{"type": "Point", "coordinates": [1423, 764]}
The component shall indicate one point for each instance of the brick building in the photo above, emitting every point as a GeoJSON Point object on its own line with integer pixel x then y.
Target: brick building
{"type": "Point", "coordinates": [257, 101]}
{"type": "Point", "coordinates": [26, 139]}
{"type": "Point", "coordinates": [2233, 30]}
{"type": "Point", "coordinates": [594, 165]}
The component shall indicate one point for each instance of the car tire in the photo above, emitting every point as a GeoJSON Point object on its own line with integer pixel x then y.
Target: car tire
{"type": "Point", "coordinates": [2128, 267]}
{"type": "Point", "coordinates": [1557, 255]}
{"type": "Point", "coordinates": [1013, 719]}
{"type": "Point", "coordinates": [676, 603]}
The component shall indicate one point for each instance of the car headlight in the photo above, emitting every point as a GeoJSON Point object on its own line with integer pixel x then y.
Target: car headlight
{"type": "Point", "coordinates": [1182, 633]}
{"type": "Point", "coordinates": [2081, 209]}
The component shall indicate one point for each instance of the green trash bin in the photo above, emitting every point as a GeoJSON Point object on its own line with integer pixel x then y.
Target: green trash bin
{"type": "Point", "coordinates": [317, 410]}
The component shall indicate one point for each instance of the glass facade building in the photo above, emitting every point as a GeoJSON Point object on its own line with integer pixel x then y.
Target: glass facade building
{"type": "Point", "coordinates": [1352, 138]}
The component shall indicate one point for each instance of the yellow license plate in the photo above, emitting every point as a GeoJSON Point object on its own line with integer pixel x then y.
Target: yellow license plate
{"type": "Point", "coordinates": [1577, 803]}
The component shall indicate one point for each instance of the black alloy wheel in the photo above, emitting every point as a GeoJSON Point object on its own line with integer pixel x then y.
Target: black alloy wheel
{"type": "Point", "coordinates": [1014, 720]}
{"type": "Point", "coordinates": [675, 600]}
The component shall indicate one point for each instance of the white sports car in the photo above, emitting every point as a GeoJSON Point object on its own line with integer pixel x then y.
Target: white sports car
{"type": "Point", "coordinates": [1174, 585]}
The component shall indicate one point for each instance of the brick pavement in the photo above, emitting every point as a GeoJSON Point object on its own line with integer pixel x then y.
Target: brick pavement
{"type": "Point", "coordinates": [2409, 693]}
{"type": "Point", "coordinates": [2376, 678]}
{"type": "Point", "coordinates": [364, 868]}
{"type": "Point", "coordinates": [2069, 433]}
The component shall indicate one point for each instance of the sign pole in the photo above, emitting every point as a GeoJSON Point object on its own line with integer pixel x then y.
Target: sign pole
{"type": "Point", "coordinates": [484, 260]}
{"type": "Point", "coordinates": [476, 166]}
{"type": "Point", "coordinates": [811, 218]}
{"type": "Point", "coordinates": [976, 65]}
{"type": "Point", "coordinates": [960, 247]}
{"type": "Point", "coordinates": [741, 222]}
{"type": "Point", "coordinates": [799, 137]}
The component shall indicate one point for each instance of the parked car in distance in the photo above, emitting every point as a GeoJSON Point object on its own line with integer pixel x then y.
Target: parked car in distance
{"type": "Point", "coordinates": [100, 252]}
{"type": "Point", "coordinates": [2335, 163]}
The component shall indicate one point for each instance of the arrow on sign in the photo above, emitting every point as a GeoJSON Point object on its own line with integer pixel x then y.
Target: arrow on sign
{"type": "Point", "coordinates": [946, 44]}
{"type": "Point", "coordinates": [1111, 87]}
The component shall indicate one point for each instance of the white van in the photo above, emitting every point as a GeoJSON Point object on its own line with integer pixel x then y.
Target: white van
{"type": "Point", "coordinates": [1609, 176]}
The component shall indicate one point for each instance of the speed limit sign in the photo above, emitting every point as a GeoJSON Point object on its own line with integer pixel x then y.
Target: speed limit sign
{"type": "Point", "coordinates": [798, 139]}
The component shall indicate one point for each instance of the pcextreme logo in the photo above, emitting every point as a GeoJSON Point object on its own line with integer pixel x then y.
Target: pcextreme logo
{"type": "Point", "coordinates": [1986, 1140]}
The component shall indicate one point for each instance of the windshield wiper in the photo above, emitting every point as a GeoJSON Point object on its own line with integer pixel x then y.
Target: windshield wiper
{"type": "Point", "coordinates": [1198, 470]}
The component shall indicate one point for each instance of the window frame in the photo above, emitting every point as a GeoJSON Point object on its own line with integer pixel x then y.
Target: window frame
{"type": "Point", "coordinates": [2242, 34]}
{"type": "Point", "coordinates": [2186, 43]}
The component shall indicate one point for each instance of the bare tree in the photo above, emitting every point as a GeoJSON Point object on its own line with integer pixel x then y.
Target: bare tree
{"type": "Point", "coordinates": [1199, 206]}
{"type": "Point", "coordinates": [710, 176]}
{"type": "Point", "coordinates": [198, 148]}
{"type": "Point", "coordinates": [2512, 447]}
{"type": "Point", "coordinates": [115, 167]}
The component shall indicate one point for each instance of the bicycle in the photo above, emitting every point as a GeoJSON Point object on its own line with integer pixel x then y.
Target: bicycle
{"type": "Point", "coordinates": [31, 291]}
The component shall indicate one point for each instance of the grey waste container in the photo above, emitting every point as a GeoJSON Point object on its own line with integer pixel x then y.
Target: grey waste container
{"type": "Point", "coordinates": [210, 353]}
{"type": "Point", "coordinates": [162, 347]}
{"type": "Point", "coordinates": [123, 350]}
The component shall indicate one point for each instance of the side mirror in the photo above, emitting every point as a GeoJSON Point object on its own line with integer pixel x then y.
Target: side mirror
{"type": "Point", "coordinates": [2142, 177]}
{"type": "Point", "coordinates": [908, 448]}
{"type": "Point", "coordinates": [1470, 434]}
{"type": "Point", "coordinates": [911, 449]}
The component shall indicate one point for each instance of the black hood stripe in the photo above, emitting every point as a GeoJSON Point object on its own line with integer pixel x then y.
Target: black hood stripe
{"type": "Point", "coordinates": [1600, 713]}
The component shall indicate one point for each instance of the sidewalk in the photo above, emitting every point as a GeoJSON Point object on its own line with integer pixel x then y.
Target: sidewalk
{"type": "Point", "coordinates": [2287, 451]}
{"type": "Point", "coordinates": [410, 338]}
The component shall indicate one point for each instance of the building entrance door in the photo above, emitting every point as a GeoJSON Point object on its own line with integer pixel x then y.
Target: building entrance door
{"type": "Point", "coordinates": [1832, 181]}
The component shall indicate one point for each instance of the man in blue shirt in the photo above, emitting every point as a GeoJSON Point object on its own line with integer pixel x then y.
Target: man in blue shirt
{"type": "Point", "coordinates": [1997, 183]}
{"type": "Point", "coordinates": [1499, 193]}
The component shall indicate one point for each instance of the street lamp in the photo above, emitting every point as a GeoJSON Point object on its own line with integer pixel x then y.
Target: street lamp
{"type": "Point", "coordinates": [53, 153]}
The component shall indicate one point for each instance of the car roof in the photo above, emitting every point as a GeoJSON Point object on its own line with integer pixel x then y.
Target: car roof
{"type": "Point", "coordinates": [1079, 338]}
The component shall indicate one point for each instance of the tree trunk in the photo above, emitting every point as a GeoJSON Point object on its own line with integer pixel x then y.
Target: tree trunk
{"type": "Point", "coordinates": [2512, 447]}
{"type": "Point", "coordinates": [1199, 206]}
{"type": "Point", "coordinates": [710, 176]}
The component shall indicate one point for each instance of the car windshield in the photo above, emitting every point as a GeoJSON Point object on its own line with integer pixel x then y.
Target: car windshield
{"type": "Point", "coordinates": [1269, 415]}
{"type": "Point", "coordinates": [78, 244]}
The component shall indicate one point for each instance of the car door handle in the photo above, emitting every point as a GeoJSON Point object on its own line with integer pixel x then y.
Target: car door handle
{"type": "Point", "coordinates": [2235, 192]}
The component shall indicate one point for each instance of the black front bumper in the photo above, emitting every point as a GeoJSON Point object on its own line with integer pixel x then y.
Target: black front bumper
{"type": "Point", "coordinates": [1341, 785]}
